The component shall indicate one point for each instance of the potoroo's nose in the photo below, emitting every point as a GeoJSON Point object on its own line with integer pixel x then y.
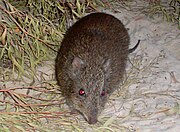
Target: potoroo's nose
{"type": "Point", "coordinates": [92, 117]}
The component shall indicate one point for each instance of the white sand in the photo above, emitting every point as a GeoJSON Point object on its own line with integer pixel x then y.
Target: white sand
{"type": "Point", "coordinates": [152, 102]}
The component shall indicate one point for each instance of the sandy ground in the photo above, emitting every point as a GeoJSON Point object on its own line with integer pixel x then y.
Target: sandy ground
{"type": "Point", "coordinates": [150, 99]}
{"type": "Point", "coordinates": [153, 97]}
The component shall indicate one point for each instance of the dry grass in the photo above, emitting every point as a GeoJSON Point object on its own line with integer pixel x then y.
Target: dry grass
{"type": "Point", "coordinates": [28, 39]}
{"type": "Point", "coordinates": [168, 10]}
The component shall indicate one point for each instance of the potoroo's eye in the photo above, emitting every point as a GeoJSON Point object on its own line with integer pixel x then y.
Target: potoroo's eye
{"type": "Point", "coordinates": [82, 92]}
{"type": "Point", "coordinates": [103, 93]}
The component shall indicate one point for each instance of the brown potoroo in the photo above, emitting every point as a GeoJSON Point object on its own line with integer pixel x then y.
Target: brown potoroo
{"type": "Point", "coordinates": [91, 62]}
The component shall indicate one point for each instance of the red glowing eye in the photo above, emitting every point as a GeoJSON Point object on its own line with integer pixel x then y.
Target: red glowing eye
{"type": "Point", "coordinates": [103, 93]}
{"type": "Point", "coordinates": [81, 92]}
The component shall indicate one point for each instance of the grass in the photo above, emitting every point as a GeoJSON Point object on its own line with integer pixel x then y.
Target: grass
{"type": "Point", "coordinates": [26, 41]}
{"type": "Point", "coordinates": [29, 39]}
{"type": "Point", "coordinates": [169, 11]}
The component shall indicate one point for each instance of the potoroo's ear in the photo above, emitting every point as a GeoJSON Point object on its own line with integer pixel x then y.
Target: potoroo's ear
{"type": "Point", "coordinates": [107, 66]}
{"type": "Point", "coordinates": [77, 64]}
